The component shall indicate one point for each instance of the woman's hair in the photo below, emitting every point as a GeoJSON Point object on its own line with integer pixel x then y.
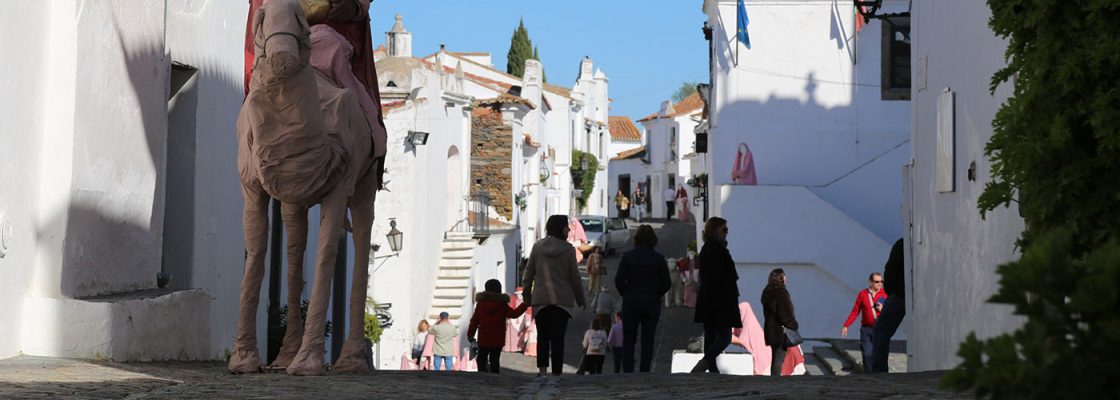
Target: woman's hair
{"type": "Point", "coordinates": [494, 286]}
{"type": "Point", "coordinates": [423, 324]}
{"type": "Point", "coordinates": [555, 226]}
{"type": "Point", "coordinates": [596, 325]}
{"type": "Point", "coordinates": [645, 236]}
{"type": "Point", "coordinates": [775, 278]}
{"type": "Point", "coordinates": [710, 227]}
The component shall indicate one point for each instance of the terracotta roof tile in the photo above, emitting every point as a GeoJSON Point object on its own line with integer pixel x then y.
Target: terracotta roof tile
{"type": "Point", "coordinates": [462, 56]}
{"type": "Point", "coordinates": [637, 152]}
{"type": "Point", "coordinates": [622, 128]}
{"type": "Point", "coordinates": [505, 99]}
{"type": "Point", "coordinates": [687, 106]}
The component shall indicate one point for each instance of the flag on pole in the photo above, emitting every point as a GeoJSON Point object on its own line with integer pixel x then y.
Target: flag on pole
{"type": "Point", "coordinates": [743, 22]}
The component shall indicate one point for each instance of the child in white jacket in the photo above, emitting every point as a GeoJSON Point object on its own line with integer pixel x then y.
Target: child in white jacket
{"type": "Point", "coordinates": [595, 341]}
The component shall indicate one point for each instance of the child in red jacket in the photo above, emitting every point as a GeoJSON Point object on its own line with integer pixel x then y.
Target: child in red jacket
{"type": "Point", "coordinates": [489, 320]}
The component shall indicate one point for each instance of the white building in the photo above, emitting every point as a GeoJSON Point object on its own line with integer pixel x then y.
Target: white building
{"type": "Point", "coordinates": [670, 137]}
{"type": "Point", "coordinates": [952, 253]}
{"type": "Point", "coordinates": [431, 200]}
{"type": "Point", "coordinates": [116, 135]}
{"type": "Point", "coordinates": [829, 132]}
{"type": "Point", "coordinates": [627, 165]}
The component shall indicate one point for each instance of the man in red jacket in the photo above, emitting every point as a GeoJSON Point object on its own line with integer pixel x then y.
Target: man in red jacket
{"type": "Point", "coordinates": [491, 310]}
{"type": "Point", "coordinates": [869, 302]}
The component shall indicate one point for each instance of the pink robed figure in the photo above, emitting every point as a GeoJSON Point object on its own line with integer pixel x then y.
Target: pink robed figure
{"type": "Point", "coordinates": [516, 327]}
{"type": "Point", "coordinates": [577, 237]}
{"type": "Point", "coordinates": [690, 275]}
{"type": "Point", "coordinates": [742, 172]}
{"type": "Point", "coordinates": [753, 339]}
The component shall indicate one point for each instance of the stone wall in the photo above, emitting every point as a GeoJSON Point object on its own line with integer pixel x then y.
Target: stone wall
{"type": "Point", "coordinates": [491, 155]}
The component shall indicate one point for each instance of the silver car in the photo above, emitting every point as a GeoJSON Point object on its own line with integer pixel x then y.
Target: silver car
{"type": "Point", "coordinates": [608, 233]}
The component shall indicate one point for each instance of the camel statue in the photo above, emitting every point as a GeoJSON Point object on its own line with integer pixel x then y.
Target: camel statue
{"type": "Point", "coordinates": [303, 139]}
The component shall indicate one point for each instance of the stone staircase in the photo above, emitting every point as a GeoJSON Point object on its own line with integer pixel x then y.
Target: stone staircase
{"type": "Point", "coordinates": [452, 286]}
{"type": "Point", "coordinates": [842, 357]}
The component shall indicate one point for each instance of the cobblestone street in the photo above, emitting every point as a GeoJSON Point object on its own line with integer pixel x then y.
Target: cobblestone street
{"type": "Point", "coordinates": [43, 378]}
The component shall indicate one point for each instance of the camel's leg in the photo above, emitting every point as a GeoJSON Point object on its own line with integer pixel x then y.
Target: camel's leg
{"type": "Point", "coordinates": [245, 357]}
{"type": "Point", "coordinates": [309, 359]}
{"type": "Point", "coordinates": [353, 358]}
{"type": "Point", "coordinates": [295, 224]}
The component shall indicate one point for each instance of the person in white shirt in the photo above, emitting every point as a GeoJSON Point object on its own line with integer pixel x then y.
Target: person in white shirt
{"type": "Point", "coordinates": [670, 198]}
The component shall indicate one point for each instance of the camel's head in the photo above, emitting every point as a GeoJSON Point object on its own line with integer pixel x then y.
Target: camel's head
{"type": "Point", "coordinates": [282, 40]}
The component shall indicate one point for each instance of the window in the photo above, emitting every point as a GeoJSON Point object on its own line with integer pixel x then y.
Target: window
{"type": "Point", "coordinates": [896, 58]}
{"type": "Point", "coordinates": [672, 144]}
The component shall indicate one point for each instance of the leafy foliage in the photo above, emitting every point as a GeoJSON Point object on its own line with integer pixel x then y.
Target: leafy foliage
{"type": "Point", "coordinates": [1055, 150]}
{"type": "Point", "coordinates": [584, 179]}
{"type": "Point", "coordinates": [520, 49]}
{"type": "Point", "coordinates": [686, 89]}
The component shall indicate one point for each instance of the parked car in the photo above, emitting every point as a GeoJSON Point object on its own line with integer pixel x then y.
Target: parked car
{"type": "Point", "coordinates": [608, 233]}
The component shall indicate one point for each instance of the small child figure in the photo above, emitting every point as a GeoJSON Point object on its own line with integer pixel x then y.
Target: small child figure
{"type": "Point", "coordinates": [489, 320]}
{"type": "Point", "coordinates": [614, 339]}
{"type": "Point", "coordinates": [595, 341]}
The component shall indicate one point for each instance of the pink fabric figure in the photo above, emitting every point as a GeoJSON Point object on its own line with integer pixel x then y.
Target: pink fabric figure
{"type": "Point", "coordinates": [752, 337]}
{"type": "Point", "coordinates": [742, 172]}
{"type": "Point", "coordinates": [407, 363]}
{"type": "Point", "coordinates": [794, 358]}
{"type": "Point", "coordinates": [531, 338]}
{"type": "Point", "coordinates": [331, 54]}
{"type": "Point", "coordinates": [691, 281]}
{"type": "Point", "coordinates": [515, 327]}
{"type": "Point", "coordinates": [577, 237]}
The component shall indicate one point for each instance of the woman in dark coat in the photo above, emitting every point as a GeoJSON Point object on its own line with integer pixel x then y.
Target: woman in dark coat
{"type": "Point", "coordinates": [717, 303]}
{"type": "Point", "coordinates": [777, 311]}
{"type": "Point", "coordinates": [642, 278]}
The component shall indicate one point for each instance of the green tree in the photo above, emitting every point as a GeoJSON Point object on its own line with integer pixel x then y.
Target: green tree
{"type": "Point", "coordinates": [583, 178]}
{"type": "Point", "coordinates": [520, 49]}
{"type": "Point", "coordinates": [686, 89]}
{"type": "Point", "coordinates": [1055, 151]}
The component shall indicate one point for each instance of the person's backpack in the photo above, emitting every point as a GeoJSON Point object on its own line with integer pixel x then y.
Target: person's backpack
{"type": "Point", "coordinates": [598, 342]}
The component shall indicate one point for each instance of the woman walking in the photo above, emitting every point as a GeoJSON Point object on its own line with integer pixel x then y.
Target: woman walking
{"type": "Point", "coordinates": [552, 284]}
{"type": "Point", "coordinates": [717, 303]}
{"type": "Point", "coordinates": [777, 311]}
{"type": "Point", "coordinates": [642, 278]}
{"type": "Point", "coordinates": [623, 204]}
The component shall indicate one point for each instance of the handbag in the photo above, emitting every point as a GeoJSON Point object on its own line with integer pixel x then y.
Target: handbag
{"type": "Point", "coordinates": [793, 338]}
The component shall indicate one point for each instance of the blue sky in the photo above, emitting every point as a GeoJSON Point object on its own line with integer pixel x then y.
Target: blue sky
{"type": "Point", "coordinates": [646, 48]}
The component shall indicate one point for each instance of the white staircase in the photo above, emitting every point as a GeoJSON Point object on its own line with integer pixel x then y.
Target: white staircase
{"type": "Point", "coordinates": [452, 286]}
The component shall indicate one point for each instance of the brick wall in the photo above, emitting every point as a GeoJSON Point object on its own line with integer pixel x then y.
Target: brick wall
{"type": "Point", "coordinates": [491, 155]}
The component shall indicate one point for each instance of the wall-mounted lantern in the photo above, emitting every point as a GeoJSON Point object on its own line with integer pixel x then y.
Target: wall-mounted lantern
{"type": "Point", "coordinates": [417, 138]}
{"type": "Point", "coordinates": [395, 237]}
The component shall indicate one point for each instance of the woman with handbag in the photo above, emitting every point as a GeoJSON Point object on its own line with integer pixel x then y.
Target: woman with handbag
{"type": "Point", "coordinates": [717, 303]}
{"type": "Point", "coordinates": [780, 326]}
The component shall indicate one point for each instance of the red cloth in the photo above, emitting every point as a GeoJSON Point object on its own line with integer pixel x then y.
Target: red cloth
{"type": "Point", "coordinates": [864, 306]}
{"type": "Point", "coordinates": [489, 319]}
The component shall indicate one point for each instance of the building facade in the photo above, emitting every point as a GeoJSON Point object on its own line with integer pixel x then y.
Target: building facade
{"type": "Point", "coordinates": [827, 133]}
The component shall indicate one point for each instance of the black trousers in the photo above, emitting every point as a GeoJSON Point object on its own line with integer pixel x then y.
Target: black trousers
{"type": "Point", "coordinates": [552, 322]}
{"type": "Point", "coordinates": [616, 355]}
{"type": "Point", "coordinates": [632, 320]}
{"type": "Point", "coordinates": [779, 358]}
{"type": "Point", "coordinates": [716, 339]}
{"type": "Point", "coordinates": [489, 359]}
{"type": "Point", "coordinates": [894, 310]}
{"type": "Point", "coordinates": [866, 334]}
{"type": "Point", "coordinates": [669, 209]}
{"type": "Point", "coordinates": [595, 363]}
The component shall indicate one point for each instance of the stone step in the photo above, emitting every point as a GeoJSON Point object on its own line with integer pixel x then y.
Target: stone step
{"type": "Point", "coordinates": [813, 366]}
{"type": "Point", "coordinates": [457, 245]}
{"type": "Point", "coordinates": [458, 254]}
{"type": "Point", "coordinates": [456, 262]}
{"type": "Point", "coordinates": [448, 292]}
{"type": "Point", "coordinates": [832, 362]}
{"type": "Point", "coordinates": [454, 273]}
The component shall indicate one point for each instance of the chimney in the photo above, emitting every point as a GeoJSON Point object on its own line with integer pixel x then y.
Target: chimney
{"type": "Point", "coordinates": [399, 40]}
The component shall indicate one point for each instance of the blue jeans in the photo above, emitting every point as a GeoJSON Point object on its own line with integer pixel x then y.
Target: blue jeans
{"type": "Point", "coordinates": [866, 333]}
{"type": "Point", "coordinates": [446, 360]}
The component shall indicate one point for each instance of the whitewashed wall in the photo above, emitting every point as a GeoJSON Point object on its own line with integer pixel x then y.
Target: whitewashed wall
{"type": "Point", "coordinates": [417, 198]}
{"type": "Point", "coordinates": [22, 135]}
{"type": "Point", "coordinates": [204, 246]}
{"type": "Point", "coordinates": [953, 253]}
{"type": "Point", "coordinates": [827, 149]}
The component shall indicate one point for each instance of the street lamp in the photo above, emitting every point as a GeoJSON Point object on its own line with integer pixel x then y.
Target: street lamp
{"type": "Point", "coordinates": [395, 236]}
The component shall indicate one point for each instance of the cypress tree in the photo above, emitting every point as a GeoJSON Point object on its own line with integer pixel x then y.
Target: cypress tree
{"type": "Point", "coordinates": [520, 49]}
